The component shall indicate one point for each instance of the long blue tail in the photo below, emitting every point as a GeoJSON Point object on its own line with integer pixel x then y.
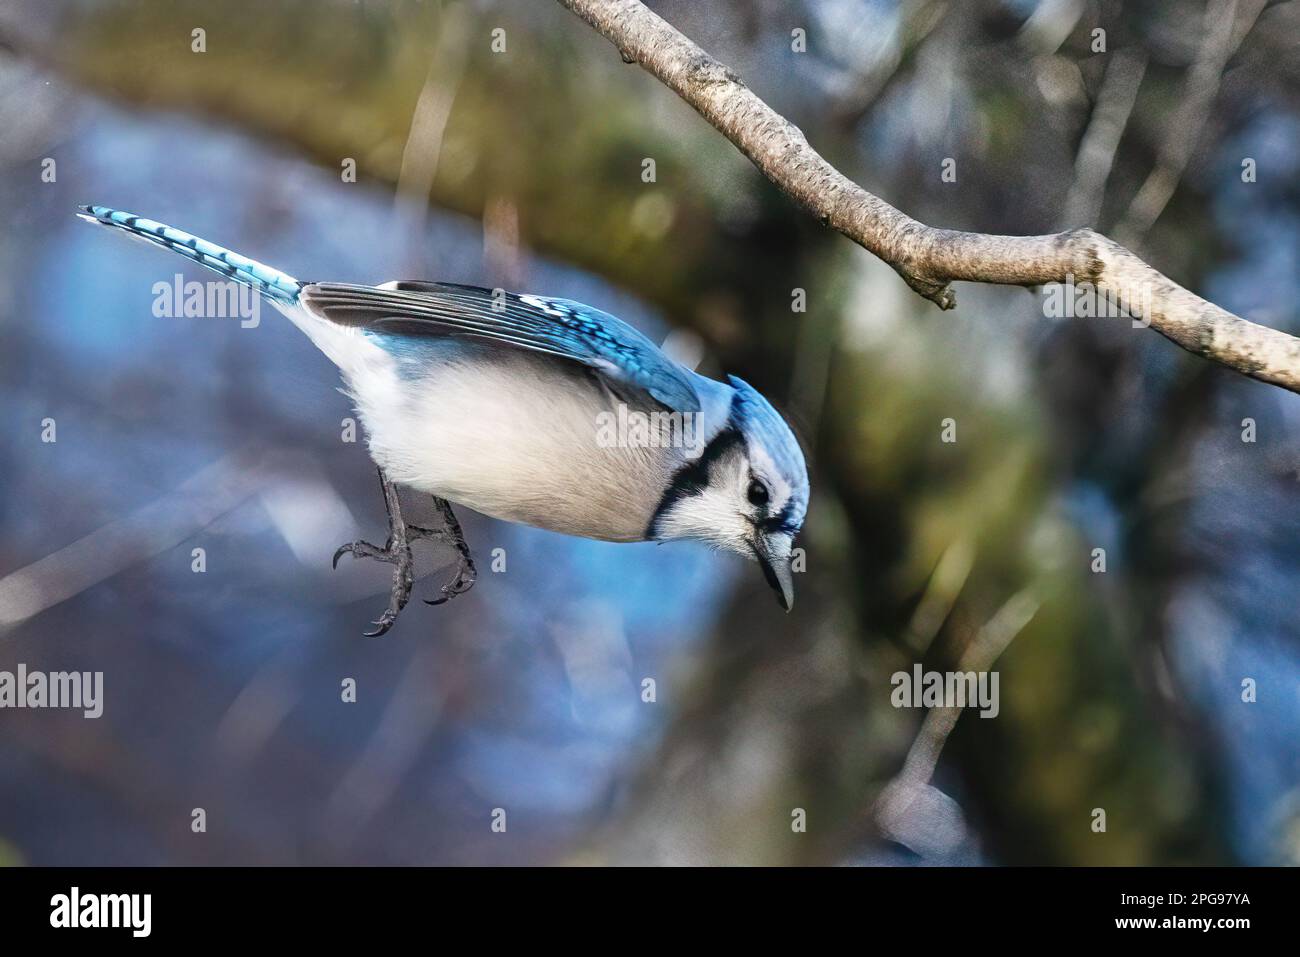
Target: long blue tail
{"type": "Point", "coordinates": [269, 282]}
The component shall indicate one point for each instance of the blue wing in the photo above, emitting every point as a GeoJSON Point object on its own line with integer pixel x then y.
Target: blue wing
{"type": "Point", "coordinates": [558, 327]}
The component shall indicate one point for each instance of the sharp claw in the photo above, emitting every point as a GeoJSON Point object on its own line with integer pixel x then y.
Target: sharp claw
{"type": "Point", "coordinates": [397, 551]}
{"type": "Point", "coordinates": [381, 627]}
{"type": "Point", "coordinates": [462, 583]}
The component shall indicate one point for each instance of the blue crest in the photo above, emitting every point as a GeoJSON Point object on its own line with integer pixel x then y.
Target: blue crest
{"type": "Point", "coordinates": [760, 423]}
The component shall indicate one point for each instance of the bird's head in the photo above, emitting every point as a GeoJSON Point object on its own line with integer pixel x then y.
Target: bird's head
{"type": "Point", "coordinates": [747, 492]}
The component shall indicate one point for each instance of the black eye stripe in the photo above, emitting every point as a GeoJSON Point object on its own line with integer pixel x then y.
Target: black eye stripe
{"type": "Point", "coordinates": [693, 477]}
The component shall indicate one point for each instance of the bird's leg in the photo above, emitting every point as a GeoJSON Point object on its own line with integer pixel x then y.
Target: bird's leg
{"type": "Point", "coordinates": [465, 572]}
{"type": "Point", "coordinates": [397, 551]}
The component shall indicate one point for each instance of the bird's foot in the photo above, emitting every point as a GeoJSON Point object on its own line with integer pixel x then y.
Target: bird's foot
{"type": "Point", "coordinates": [403, 577]}
{"type": "Point", "coordinates": [466, 573]}
{"type": "Point", "coordinates": [397, 551]}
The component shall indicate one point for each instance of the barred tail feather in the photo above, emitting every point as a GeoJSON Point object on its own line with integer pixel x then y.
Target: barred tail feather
{"type": "Point", "coordinates": [269, 282]}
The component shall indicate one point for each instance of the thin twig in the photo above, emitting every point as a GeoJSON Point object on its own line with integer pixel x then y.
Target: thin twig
{"type": "Point", "coordinates": [1223, 29]}
{"type": "Point", "coordinates": [423, 146]}
{"type": "Point", "coordinates": [1096, 154]}
{"type": "Point", "coordinates": [150, 530]}
{"type": "Point", "coordinates": [904, 806]}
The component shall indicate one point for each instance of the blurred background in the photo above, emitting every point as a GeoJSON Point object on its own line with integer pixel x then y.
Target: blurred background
{"type": "Point", "coordinates": [515, 159]}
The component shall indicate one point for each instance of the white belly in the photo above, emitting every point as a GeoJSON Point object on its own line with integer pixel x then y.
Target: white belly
{"type": "Point", "coordinates": [512, 435]}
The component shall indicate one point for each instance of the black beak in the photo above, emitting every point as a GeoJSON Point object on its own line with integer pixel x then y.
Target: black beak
{"type": "Point", "coordinates": [778, 574]}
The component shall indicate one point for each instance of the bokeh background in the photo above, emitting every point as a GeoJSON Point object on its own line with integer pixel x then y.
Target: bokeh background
{"type": "Point", "coordinates": [523, 168]}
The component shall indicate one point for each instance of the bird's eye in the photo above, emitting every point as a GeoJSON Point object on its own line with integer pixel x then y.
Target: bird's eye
{"type": "Point", "coordinates": [757, 493]}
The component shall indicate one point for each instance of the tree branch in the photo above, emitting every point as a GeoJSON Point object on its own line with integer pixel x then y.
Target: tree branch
{"type": "Point", "coordinates": [929, 258]}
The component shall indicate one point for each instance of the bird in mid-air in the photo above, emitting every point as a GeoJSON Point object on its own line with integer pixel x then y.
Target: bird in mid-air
{"type": "Point", "coordinates": [493, 400]}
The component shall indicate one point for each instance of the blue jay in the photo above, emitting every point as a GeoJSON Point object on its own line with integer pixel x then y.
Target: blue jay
{"type": "Point", "coordinates": [491, 400]}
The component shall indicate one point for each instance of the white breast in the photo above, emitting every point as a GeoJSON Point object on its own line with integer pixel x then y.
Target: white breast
{"type": "Point", "coordinates": [513, 435]}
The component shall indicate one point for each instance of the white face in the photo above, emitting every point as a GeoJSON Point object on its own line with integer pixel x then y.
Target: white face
{"type": "Point", "coordinates": [733, 509]}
